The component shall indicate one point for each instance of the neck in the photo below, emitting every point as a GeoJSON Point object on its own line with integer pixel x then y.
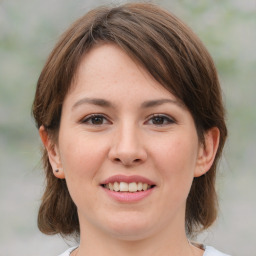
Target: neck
{"type": "Point", "coordinates": [164, 243]}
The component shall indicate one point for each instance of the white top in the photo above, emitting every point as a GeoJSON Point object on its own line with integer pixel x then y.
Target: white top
{"type": "Point", "coordinates": [209, 251]}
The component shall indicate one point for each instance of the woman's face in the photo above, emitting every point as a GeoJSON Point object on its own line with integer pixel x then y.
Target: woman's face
{"type": "Point", "coordinates": [121, 130]}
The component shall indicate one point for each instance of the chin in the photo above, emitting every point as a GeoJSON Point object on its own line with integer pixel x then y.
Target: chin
{"type": "Point", "coordinates": [129, 228]}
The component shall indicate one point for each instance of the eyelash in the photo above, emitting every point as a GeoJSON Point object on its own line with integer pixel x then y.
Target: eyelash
{"type": "Point", "coordinates": [166, 120]}
{"type": "Point", "coordinates": [89, 119]}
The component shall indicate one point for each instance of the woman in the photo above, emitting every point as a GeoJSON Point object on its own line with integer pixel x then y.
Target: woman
{"type": "Point", "coordinates": [130, 112]}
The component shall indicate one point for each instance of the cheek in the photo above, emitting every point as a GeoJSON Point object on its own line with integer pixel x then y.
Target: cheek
{"type": "Point", "coordinates": [81, 156]}
{"type": "Point", "coordinates": [82, 160]}
{"type": "Point", "coordinates": [177, 152]}
{"type": "Point", "coordinates": [176, 160]}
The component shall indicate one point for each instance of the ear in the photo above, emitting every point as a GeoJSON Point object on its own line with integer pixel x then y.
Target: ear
{"type": "Point", "coordinates": [53, 153]}
{"type": "Point", "coordinates": [207, 151]}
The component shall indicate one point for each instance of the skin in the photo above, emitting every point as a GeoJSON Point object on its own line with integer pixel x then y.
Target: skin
{"type": "Point", "coordinates": [127, 138]}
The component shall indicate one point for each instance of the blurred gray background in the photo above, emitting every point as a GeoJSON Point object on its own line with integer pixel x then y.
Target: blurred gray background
{"type": "Point", "coordinates": [28, 31]}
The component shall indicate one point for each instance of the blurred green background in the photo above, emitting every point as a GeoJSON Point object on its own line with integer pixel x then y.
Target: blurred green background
{"type": "Point", "coordinates": [28, 31]}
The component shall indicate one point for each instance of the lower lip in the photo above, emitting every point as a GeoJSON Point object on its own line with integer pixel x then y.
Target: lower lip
{"type": "Point", "coordinates": [128, 197]}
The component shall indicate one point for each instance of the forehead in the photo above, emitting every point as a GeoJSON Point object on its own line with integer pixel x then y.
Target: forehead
{"type": "Point", "coordinates": [106, 70]}
{"type": "Point", "coordinates": [109, 62]}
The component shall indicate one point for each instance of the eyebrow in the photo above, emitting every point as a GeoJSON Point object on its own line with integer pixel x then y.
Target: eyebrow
{"type": "Point", "coordinates": [154, 103]}
{"type": "Point", "coordinates": [93, 101]}
{"type": "Point", "coordinates": [108, 104]}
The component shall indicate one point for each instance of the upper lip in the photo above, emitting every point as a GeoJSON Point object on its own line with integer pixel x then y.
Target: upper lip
{"type": "Point", "coordinates": [127, 179]}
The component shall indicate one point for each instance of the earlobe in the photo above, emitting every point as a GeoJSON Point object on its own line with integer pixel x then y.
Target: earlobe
{"type": "Point", "coordinates": [207, 151]}
{"type": "Point", "coordinates": [53, 153]}
{"type": "Point", "coordinates": [59, 173]}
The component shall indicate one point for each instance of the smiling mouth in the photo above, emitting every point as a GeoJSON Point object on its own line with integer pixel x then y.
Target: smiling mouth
{"type": "Point", "coordinates": [127, 187]}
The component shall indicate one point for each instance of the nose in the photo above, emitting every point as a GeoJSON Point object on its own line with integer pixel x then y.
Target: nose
{"type": "Point", "coordinates": [128, 146]}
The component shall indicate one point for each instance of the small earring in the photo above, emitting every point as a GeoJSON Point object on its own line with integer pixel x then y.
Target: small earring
{"type": "Point", "coordinates": [58, 173]}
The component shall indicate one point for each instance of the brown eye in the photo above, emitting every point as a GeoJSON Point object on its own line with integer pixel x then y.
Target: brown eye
{"type": "Point", "coordinates": [95, 120]}
{"type": "Point", "coordinates": [160, 120]}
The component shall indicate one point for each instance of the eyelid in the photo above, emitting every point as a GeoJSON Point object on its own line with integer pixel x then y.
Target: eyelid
{"type": "Point", "coordinates": [170, 119]}
{"type": "Point", "coordinates": [85, 119]}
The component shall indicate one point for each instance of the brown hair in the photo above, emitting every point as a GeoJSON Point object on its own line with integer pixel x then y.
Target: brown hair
{"type": "Point", "coordinates": [173, 55]}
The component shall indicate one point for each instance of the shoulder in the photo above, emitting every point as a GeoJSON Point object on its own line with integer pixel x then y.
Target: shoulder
{"type": "Point", "coordinates": [210, 251]}
{"type": "Point", "coordinates": [68, 251]}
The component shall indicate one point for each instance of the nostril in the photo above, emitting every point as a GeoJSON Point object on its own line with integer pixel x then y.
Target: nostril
{"type": "Point", "coordinates": [127, 161]}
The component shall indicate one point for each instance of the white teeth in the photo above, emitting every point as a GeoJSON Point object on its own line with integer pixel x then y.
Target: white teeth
{"type": "Point", "coordinates": [116, 186]}
{"type": "Point", "coordinates": [133, 187]}
{"type": "Point", "coordinates": [124, 187]}
{"type": "Point", "coordinates": [139, 186]}
{"type": "Point", "coordinates": [110, 186]}
{"type": "Point", "coordinates": [127, 187]}
{"type": "Point", "coordinates": [145, 186]}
